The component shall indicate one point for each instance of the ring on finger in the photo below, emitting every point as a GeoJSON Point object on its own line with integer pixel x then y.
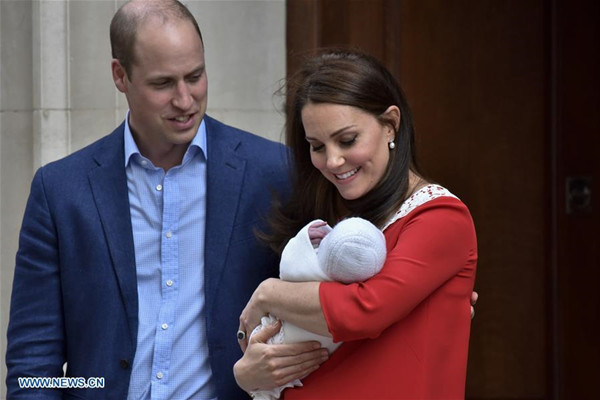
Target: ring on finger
{"type": "Point", "coordinates": [241, 335]}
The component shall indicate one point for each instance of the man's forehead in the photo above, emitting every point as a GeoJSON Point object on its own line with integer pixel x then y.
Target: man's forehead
{"type": "Point", "coordinates": [155, 27]}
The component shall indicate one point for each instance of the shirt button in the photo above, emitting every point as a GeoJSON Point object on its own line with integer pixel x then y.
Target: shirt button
{"type": "Point", "coordinates": [159, 187]}
{"type": "Point", "coordinates": [144, 162]}
{"type": "Point", "coordinates": [169, 234]}
{"type": "Point", "coordinates": [164, 326]}
{"type": "Point", "coordinates": [159, 375]}
{"type": "Point", "coordinates": [169, 283]}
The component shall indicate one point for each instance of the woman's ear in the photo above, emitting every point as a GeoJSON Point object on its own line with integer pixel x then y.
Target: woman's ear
{"type": "Point", "coordinates": [392, 114]}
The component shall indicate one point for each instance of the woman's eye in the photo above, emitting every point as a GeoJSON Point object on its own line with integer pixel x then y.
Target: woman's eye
{"type": "Point", "coordinates": [348, 143]}
{"type": "Point", "coordinates": [317, 148]}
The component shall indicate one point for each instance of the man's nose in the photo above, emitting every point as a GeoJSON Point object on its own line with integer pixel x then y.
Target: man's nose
{"type": "Point", "coordinates": [182, 98]}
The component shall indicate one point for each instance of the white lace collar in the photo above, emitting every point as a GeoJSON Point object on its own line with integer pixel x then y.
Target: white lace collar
{"type": "Point", "coordinates": [421, 196]}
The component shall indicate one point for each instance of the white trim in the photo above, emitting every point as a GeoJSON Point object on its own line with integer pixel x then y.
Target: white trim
{"type": "Point", "coordinates": [418, 198]}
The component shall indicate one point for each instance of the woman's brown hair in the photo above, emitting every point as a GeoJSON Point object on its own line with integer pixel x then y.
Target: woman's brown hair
{"type": "Point", "coordinates": [352, 78]}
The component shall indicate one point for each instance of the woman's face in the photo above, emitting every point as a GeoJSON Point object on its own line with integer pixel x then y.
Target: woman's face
{"type": "Point", "coordinates": [348, 145]}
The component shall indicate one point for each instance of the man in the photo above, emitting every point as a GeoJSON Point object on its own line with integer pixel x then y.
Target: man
{"type": "Point", "coordinates": [137, 253]}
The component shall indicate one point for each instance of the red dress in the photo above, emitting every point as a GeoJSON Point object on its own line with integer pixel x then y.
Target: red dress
{"type": "Point", "coordinates": [406, 330]}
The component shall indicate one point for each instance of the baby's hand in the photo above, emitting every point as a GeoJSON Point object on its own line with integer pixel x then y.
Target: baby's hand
{"type": "Point", "coordinates": [315, 234]}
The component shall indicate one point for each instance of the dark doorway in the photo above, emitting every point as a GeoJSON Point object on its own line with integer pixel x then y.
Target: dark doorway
{"type": "Point", "coordinates": [506, 100]}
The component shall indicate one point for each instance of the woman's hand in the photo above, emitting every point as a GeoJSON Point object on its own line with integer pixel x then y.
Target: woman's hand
{"type": "Point", "coordinates": [252, 313]}
{"type": "Point", "coordinates": [474, 297]}
{"type": "Point", "coordinates": [295, 302]}
{"type": "Point", "coordinates": [266, 366]}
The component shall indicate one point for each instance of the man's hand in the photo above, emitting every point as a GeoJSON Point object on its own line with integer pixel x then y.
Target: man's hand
{"type": "Point", "coordinates": [266, 366]}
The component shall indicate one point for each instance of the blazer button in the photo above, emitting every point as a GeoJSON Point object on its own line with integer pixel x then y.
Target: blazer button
{"type": "Point", "coordinates": [124, 364]}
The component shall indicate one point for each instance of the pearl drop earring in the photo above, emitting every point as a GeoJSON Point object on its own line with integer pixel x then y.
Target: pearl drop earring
{"type": "Point", "coordinates": [392, 145]}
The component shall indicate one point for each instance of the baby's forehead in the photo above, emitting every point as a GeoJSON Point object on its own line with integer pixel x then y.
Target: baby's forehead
{"type": "Point", "coordinates": [355, 232]}
{"type": "Point", "coordinates": [356, 226]}
{"type": "Point", "coordinates": [353, 251]}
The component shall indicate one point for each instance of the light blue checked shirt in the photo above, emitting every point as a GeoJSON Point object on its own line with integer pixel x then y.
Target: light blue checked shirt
{"type": "Point", "coordinates": [168, 214]}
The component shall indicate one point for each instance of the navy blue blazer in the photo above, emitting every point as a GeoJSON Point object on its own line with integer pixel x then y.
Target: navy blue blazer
{"type": "Point", "coordinates": [74, 296]}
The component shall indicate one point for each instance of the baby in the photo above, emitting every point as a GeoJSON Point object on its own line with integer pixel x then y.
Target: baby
{"type": "Point", "coordinates": [353, 251]}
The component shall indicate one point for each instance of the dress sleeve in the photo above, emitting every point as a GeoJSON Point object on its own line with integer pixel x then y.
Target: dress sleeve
{"type": "Point", "coordinates": [426, 248]}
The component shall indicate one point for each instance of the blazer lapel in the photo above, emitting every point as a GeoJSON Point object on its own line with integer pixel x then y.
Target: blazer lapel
{"type": "Point", "coordinates": [109, 188]}
{"type": "Point", "coordinates": [225, 173]}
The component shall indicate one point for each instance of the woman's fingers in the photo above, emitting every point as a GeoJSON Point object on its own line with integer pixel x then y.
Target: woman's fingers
{"type": "Point", "coordinates": [262, 335]}
{"type": "Point", "coordinates": [284, 368]}
{"type": "Point", "coordinates": [474, 297]}
{"type": "Point", "coordinates": [301, 349]}
{"type": "Point", "coordinates": [266, 366]}
{"type": "Point", "coordinates": [267, 332]}
{"type": "Point", "coordinates": [297, 370]}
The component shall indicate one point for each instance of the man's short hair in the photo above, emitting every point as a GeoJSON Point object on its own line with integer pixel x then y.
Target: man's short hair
{"type": "Point", "coordinates": [129, 17]}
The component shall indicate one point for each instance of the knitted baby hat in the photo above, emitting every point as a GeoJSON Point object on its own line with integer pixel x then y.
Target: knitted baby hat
{"type": "Point", "coordinates": [353, 251]}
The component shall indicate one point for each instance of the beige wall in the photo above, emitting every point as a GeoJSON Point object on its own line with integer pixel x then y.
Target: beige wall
{"type": "Point", "coordinates": [57, 95]}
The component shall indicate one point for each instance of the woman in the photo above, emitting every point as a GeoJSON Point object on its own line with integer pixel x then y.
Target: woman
{"type": "Point", "coordinates": [406, 330]}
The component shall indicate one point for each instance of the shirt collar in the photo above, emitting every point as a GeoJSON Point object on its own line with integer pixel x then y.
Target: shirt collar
{"type": "Point", "coordinates": [197, 144]}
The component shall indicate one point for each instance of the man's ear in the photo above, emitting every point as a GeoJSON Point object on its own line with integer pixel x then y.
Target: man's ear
{"type": "Point", "coordinates": [119, 75]}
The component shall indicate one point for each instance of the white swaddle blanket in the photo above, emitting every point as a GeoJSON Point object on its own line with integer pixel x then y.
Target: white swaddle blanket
{"type": "Point", "coordinates": [353, 251]}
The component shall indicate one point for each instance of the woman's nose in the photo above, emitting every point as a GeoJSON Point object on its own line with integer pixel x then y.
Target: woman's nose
{"type": "Point", "coordinates": [334, 160]}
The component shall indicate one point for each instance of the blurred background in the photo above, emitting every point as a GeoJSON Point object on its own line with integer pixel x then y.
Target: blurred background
{"type": "Point", "coordinates": [505, 96]}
